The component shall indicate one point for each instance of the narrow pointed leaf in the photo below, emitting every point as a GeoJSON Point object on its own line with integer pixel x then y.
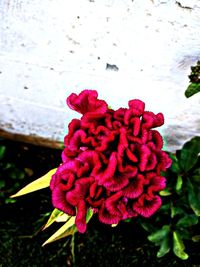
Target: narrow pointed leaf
{"type": "Point", "coordinates": [178, 247]}
{"type": "Point", "coordinates": [164, 247]}
{"type": "Point", "coordinates": [53, 217]}
{"type": "Point", "coordinates": [69, 228]}
{"type": "Point", "coordinates": [179, 183]}
{"type": "Point", "coordinates": [63, 218]}
{"type": "Point", "coordinates": [89, 215]}
{"type": "Point", "coordinates": [38, 184]}
{"type": "Point", "coordinates": [61, 232]}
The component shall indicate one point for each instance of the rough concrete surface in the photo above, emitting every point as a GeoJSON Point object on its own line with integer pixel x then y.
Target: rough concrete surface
{"type": "Point", "coordinates": [124, 49]}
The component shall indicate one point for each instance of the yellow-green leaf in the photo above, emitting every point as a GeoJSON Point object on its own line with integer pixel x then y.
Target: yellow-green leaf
{"type": "Point", "coordinates": [165, 193]}
{"type": "Point", "coordinates": [179, 183]}
{"type": "Point", "coordinates": [69, 228]}
{"type": "Point", "coordinates": [63, 231]}
{"type": "Point", "coordinates": [55, 216]}
{"type": "Point", "coordinates": [63, 218]}
{"type": "Point", "coordinates": [38, 184]}
{"type": "Point", "coordinates": [178, 247]}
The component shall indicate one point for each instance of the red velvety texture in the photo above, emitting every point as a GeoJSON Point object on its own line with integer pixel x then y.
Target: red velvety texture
{"type": "Point", "coordinates": [112, 162]}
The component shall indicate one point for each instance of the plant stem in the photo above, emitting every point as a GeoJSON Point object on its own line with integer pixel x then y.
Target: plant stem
{"type": "Point", "coordinates": [73, 249]}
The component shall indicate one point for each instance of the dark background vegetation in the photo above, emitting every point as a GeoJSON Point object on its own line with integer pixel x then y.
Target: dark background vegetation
{"type": "Point", "coordinates": [21, 237]}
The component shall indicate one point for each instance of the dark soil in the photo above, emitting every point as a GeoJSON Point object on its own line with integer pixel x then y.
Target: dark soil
{"type": "Point", "coordinates": [21, 237]}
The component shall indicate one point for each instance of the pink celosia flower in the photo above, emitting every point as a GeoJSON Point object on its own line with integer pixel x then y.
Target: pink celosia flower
{"type": "Point", "coordinates": [111, 162]}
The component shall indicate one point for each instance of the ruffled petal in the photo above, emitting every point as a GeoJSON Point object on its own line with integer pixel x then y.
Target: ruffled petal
{"type": "Point", "coordinates": [147, 206]}
{"type": "Point", "coordinates": [135, 187]}
{"type": "Point", "coordinates": [86, 101]}
{"type": "Point", "coordinates": [80, 220]}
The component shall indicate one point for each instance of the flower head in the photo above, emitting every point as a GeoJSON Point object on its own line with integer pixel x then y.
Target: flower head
{"type": "Point", "coordinates": [112, 162]}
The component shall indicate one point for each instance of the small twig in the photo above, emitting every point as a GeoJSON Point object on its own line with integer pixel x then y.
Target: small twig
{"type": "Point", "coordinates": [59, 251]}
{"type": "Point", "coordinates": [180, 5]}
{"type": "Point", "coordinates": [73, 249]}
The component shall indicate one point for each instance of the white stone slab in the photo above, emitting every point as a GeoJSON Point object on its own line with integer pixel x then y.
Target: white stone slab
{"type": "Point", "coordinates": [123, 49]}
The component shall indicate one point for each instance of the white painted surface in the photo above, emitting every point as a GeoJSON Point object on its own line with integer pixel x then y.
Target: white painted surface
{"type": "Point", "coordinates": [51, 48]}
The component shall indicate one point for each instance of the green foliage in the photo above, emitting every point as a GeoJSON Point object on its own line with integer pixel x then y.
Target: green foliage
{"type": "Point", "coordinates": [194, 86]}
{"type": "Point", "coordinates": [2, 152]}
{"type": "Point", "coordinates": [175, 221]}
{"type": "Point", "coordinates": [192, 89]}
{"type": "Point", "coordinates": [159, 235]}
{"type": "Point", "coordinates": [10, 177]}
{"type": "Point", "coordinates": [188, 155]}
{"type": "Point", "coordinates": [194, 197]}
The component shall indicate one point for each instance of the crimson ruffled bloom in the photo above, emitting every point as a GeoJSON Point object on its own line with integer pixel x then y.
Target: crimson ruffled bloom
{"type": "Point", "coordinates": [112, 162]}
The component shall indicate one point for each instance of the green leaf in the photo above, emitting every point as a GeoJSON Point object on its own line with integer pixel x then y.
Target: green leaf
{"type": "Point", "coordinates": [2, 151]}
{"type": "Point", "coordinates": [176, 211]}
{"type": "Point", "coordinates": [53, 217]}
{"type": "Point", "coordinates": [192, 89]}
{"type": "Point", "coordinates": [175, 165]}
{"type": "Point", "coordinates": [196, 176]}
{"type": "Point", "coordinates": [89, 215]}
{"type": "Point", "coordinates": [196, 238]}
{"type": "Point", "coordinates": [38, 184]}
{"type": "Point", "coordinates": [187, 221]}
{"type": "Point", "coordinates": [178, 247]}
{"type": "Point", "coordinates": [2, 184]}
{"type": "Point", "coordinates": [164, 247]}
{"type": "Point", "coordinates": [63, 231]}
{"type": "Point", "coordinates": [165, 208]}
{"type": "Point", "coordinates": [179, 183]}
{"type": "Point", "coordinates": [185, 233]}
{"type": "Point", "coordinates": [165, 193]}
{"type": "Point", "coordinates": [16, 174]}
{"type": "Point", "coordinates": [10, 200]}
{"type": "Point", "coordinates": [127, 220]}
{"type": "Point", "coordinates": [159, 235]}
{"type": "Point", "coordinates": [189, 154]}
{"type": "Point", "coordinates": [193, 197]}
{"type": "Point", "coordinates": [148, 227]}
